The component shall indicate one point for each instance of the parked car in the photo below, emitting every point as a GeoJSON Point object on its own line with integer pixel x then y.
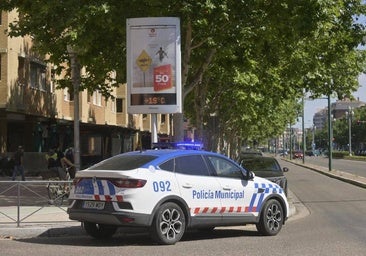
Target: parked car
{"type": "Point", "coordinates": [251, 153]}
{"type": "Point", "coordinates": [169, 191]}
{"type": "Point", "coordinates": [298, 154]}
{"type": "Point", "coordinates": [312, 152]}
{"type": "Point", "coordinates": [267, 167]}
{"type": "Point", "coordinates": [283, 153]}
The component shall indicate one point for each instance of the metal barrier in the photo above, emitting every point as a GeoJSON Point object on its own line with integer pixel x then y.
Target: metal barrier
{"type": "Point", "coordinates": [21, 194]}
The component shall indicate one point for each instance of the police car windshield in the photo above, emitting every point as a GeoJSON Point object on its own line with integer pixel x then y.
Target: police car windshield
{"type": "Point", "coordinates": [123, 162]}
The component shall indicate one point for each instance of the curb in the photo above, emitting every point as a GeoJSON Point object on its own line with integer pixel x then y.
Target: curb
{"type": "Point", "coordinates": [336, 174]}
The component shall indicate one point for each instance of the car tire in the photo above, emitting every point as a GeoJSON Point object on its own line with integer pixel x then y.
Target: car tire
{"type": "Point", "coordinates": [271, 218]}
{"type": "Point", "coordinates": [168, 225]}
{"type": "Point", "coordinates": [99, 231]}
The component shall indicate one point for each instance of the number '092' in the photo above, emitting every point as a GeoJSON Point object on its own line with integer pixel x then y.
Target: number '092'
{"type": "Point", "coordinates": [161, 186]}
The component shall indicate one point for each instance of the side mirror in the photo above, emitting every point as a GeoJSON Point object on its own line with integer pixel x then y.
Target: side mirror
{"type": "Point", "coordinates": [285, 169]}
{"type": "Point", "coordinates": [251, 175]}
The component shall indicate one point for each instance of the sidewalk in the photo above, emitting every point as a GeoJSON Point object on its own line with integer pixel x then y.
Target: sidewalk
{"type": "Point", "coordinates": [53, 221]}
{"type": "Point", "coordinates": [36, 221]}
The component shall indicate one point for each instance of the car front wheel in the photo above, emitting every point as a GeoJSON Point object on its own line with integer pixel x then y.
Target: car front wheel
{"type": "Point", "coordinates": [169, 224]}
{"type": "Point", "coordinates": [99, 231]}
{"type": "Point", "coordinates": [271, 218]}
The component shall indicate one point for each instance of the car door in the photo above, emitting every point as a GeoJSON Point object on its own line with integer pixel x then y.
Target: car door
{"type": "Point", "coordinates": [198, 186]}
{"type": "Point", "coordinates": [237, 194]}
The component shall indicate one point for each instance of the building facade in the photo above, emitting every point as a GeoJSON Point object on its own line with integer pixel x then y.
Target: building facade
{"type": "Point", "coordinates": [338, 110]}
{"type": "Point", "coordinates": [36, 115]}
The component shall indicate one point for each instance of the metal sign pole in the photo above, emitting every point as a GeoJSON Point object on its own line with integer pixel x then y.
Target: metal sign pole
{"type": "Point", "coordinates": [154, 130]}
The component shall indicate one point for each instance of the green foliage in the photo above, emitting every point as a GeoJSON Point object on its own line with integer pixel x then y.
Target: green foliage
{"type": "Point", "coordinates": [340, 154]}
{"type": "Point", "coordinates": [247, 61]}
{"type": "Point", "coordinates": [341, 132]}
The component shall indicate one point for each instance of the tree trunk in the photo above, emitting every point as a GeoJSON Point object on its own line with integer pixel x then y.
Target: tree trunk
{"type": "Point", "coordinates": [178, 127]}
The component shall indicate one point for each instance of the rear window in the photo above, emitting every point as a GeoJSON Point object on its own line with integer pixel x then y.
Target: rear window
{"type": "Point", "coordinates": [260, 164]}
{"type": "Point", "coordinates": [123, 162]}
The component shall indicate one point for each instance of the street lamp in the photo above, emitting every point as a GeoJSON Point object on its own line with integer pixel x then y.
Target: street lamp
{"type": "Point", "coordinates": [303, 131]}
{"type": "Point", "coordinates": [330, 135]}
{"type": "Point", "coordinates": [313, 140]}
{"type": "Point", "coordinates": [349, 115]}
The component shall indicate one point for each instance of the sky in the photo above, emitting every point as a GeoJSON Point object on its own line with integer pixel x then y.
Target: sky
{"type": "Point", "coordinates": [313, 106]}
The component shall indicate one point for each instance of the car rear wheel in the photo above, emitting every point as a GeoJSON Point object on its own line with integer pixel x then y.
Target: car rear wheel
{"type": "Point", "coordinates": [169, 224]}
{"type": "Point", "coordinates": [99, 231]}
{"type": "Point", "coordinates": [271, 218]}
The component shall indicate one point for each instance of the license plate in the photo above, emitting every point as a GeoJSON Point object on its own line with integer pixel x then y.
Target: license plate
{"type": "Point", "coordinates": [93, 205]}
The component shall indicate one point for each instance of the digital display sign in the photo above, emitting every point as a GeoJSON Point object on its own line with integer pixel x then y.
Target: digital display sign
{"type": "Point", "coordinates": [153, 66]}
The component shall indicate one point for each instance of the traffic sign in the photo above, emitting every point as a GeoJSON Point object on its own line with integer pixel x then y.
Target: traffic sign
{"type": "Point", "coordinates": [144, 61]}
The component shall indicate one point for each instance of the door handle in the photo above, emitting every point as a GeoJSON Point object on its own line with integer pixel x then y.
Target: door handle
{"type": "Point", "coordinates": [187, 185]}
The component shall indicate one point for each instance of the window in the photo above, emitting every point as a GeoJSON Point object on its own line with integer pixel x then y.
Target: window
{"type": "Point", "coordinates": [113, 105]}
{"type": "Point", "coordinates": [37, 76]}
{"type": "Point", "coordinates": [168, 165]}
{"type": "Point", "coordinates": [119, 105]}
{"type": "Point", "coordinates": [191, 165]}
{"type": "Point", "coordinates": [97, 98]}
{"type": "Point", "coordinates": [91, 145]}
{"type": "Point", "coordinates": [256, 164]}
{"type": "Point", "coordinates": [90, 95]}
{"type": "Point", "coordinates": [163, 118]}
{"type": "Point", "coordinates": [52, 81]}
{"type": "Point", "coordinates": [21, 71]}
{"type": "Point", "coordinates": [123, 162]}
{"type": "Point", "coordinates": [67, 95]}
{"type": "Point", "coordinates": [225, 168]}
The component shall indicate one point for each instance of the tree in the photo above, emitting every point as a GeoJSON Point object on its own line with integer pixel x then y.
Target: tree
{"type": "Point", "coordinates": [255, 57]}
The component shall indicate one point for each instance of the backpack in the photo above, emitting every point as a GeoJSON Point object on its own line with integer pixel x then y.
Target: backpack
{"type": "Point", "coordinates": [69, 154]}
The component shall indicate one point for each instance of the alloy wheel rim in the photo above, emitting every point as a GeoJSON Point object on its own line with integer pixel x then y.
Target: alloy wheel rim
{"type": "Point", "coordinates": [170, 224]}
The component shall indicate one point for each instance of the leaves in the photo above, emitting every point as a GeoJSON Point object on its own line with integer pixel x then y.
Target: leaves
{"type": "Point", "coordinates": [248, 61]}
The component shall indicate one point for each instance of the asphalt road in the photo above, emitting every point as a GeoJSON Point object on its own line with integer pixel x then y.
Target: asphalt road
{"type": "Point", "coordinates": [336, 223]}
{"type": "Point", "coordinates": [350, 166]}
{"type": "Point", "coordinates": [333, 224]}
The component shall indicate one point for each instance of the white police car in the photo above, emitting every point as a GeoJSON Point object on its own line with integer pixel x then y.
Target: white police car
{"type": "Point", "coordinates": [171, 191]}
